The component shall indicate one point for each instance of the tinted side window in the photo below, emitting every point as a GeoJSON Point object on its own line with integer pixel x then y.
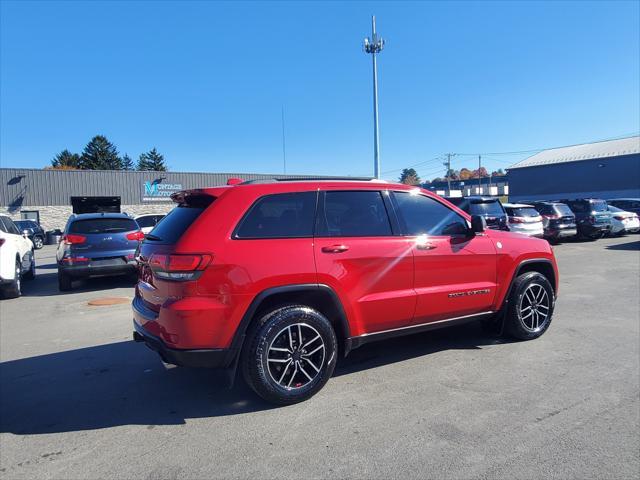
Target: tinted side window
{"type": "Point", "coordinates": [354, 214]}
{"type": "Point", "coordinates": [284, 215]}
{"type": "Point", "coordinates": [425, 216]}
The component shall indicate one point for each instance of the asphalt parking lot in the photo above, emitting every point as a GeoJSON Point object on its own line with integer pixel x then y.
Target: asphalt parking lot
{"type": "Point", "coordinates": [79, 399]}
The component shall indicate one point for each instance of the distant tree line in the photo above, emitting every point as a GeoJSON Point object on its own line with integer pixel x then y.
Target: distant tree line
{"type": "Point", "coordinates": [101, 154]}
{"type": "Point", "coordinates": [410, 177]}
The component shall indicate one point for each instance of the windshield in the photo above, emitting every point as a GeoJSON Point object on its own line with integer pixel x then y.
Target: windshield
{"type": "Point", "coordinates": [103, 225]}
{"type": "Point", "coordinates": [523, 212]}
{"type": "Point", "coordinates": [22, 224]}
{"type": "Point", "coordinates": [599, 205]}
{"type": "Point", "coordinates": [486, 208]}
{"type": "Point", "coordinates": [149, 220]}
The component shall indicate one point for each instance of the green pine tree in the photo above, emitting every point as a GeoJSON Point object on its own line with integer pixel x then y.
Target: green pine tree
{"type": "Point", "coordinates": [409, 177]}
{"type": "Point", "coordinates": [100, 154]}
{"type": "Point", "coordinates": [152, 160]}
{"type": "Point", "coordinates": [65, 160]}
{"type": "Point", "coordinates": [127, 162]}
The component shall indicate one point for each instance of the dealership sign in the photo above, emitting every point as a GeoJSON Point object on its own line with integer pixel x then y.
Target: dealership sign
{"type": "Point", "coordinates": [159, 192]}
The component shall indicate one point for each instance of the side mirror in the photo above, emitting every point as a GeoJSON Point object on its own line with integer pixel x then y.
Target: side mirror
{"type": "Point", "coordinates": [478, 223]}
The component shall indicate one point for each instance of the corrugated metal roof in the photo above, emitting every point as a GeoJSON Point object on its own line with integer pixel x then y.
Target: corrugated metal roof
{"type": "Point", "coordinates": [586, 151]}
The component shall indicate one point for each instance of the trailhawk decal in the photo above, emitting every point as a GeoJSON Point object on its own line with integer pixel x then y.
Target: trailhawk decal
{"type": "Point", "coordinates": [470, 292]}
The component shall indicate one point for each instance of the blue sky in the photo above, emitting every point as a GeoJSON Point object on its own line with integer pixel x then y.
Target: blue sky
{"type": "Point", "coordinates": [205, 82]}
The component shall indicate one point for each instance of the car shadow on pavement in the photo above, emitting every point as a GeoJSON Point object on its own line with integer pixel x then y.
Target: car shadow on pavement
{"type": "Point", "coordinates": [46, 285]}
{"type": "Point", "coordinates": [124, 383]}
{"type": "Point", "coordinates": [625, 246]}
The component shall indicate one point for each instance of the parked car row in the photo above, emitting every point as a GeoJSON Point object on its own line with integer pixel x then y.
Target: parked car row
{"type": "Point", "coordinates": [94, 244]}
{"type": "Point", "coordinates": [555, 220]}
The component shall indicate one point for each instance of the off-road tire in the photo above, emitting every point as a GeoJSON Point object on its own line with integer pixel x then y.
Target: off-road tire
{"type": "Point", "coordinates": [515, 326]}
{"type": "Point", "coordinates": [254, 359]}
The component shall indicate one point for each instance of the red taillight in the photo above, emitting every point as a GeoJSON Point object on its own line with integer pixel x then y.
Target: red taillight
{"type": "Point", "coordinates": [70, 239]}
{"type": "Point", "coordinates": [178, 266]}
{"type": "Point", "coordinates": [552, 217]}
{"type": "Point", "coordinates": [516, 220]}
{"type": "Point", "coordinates": [139, 236]}
{"type": "Point", "coordinates": [1, 241]}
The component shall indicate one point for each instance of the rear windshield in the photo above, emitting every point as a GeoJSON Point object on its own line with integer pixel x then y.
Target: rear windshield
{"type": "Point", "coordinates": [599, 205]}
{"type": "Point", "coordinates": [486, 208]}
{"type": "Point", "coordinates": [173, 226]}
{"type": "Point", "coordinates": [563, 210]}
{"type": "Point", "coordinates": [523, 212]}
{"type": "Point", "coordinates": [103, 225]}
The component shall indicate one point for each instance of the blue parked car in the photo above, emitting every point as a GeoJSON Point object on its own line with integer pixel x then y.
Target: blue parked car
{"type": "Point", "coordinates": [97, 244]}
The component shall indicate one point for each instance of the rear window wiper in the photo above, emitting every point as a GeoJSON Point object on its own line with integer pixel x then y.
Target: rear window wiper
{"type": "Point", "coordinates": [149, 236]}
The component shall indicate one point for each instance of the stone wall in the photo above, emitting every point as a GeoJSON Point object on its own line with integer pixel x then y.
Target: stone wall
{"type": "Point", "coordinates": [55, 216]}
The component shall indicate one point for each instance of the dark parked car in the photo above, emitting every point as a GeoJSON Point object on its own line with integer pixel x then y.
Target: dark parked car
{"type": "Point", "coordinates": [488, 207]}
{"type": "Point", "coordinates": [627, 204]}
{"type": "Point", "coordinates": [593, 219]}
{"type": "Point", "coordinates": [97, 244]}
{"type": "Point", "coordinates": [557, 219]}
{"type": "Point", "coordinates": [34, 232]}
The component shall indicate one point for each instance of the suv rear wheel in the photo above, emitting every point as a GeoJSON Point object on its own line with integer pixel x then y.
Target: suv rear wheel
{"type": "Point", "coordinates": [531, 306]}
{"type": "Point", "coordinates": [290, 354]}
{"type": "Point", "coordinates": [64, 281]}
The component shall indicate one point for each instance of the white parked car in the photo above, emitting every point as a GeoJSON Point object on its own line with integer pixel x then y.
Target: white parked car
{"type": "Point", "coordinates": [524, 219]}
{"type": "Point", "coordinates": [623, 222]}
{"type": "Point", "coordinates": [17, 260]}
{"type": "Point", "coordinates": [147, 222]}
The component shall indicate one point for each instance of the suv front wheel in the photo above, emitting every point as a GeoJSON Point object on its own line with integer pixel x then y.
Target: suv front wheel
{"type": "Point", "coordinates": [531, 306]}
{"type": "Point", "coordinates": [290, 354]}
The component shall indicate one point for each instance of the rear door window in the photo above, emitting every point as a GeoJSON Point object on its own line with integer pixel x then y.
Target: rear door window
{"type": "Point", "coordinates": [353, 214]}
{"type": "Point", "coordinates": [103, 225]}
{"type": "Point", "coordinates": [283, 215]}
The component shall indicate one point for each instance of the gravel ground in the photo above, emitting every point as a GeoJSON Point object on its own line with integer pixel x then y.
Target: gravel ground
{"type": "Point", "coordinates": [80, 400]}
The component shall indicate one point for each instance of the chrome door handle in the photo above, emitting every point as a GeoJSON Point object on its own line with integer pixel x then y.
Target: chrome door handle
{"type": "Point", "coordinates": [425, 246]}
{"type": "Point", "coordinates": [335, 249]}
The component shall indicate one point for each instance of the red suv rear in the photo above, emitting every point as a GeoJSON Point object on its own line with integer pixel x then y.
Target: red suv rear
{"type": "Point", "coordinates": [279, 277]}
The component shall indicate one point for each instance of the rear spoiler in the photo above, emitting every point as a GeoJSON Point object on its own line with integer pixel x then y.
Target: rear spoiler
{"type": "Point", "coordinates": [193, 198]}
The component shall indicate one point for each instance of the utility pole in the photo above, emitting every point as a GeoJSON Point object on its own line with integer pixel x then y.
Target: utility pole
{"type": "Point", "coordinates": [479, 176]}
{"type": "Point", "coordinates": [448, 165]}
{"type": "Point", "coordinates": [373, 46]}
{"type": "Point", "coordinates": [284, 151]}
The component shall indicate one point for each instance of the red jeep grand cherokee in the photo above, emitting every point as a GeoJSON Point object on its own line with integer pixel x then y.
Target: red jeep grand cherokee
{"type": "Point", "coordinates": [279, 276]}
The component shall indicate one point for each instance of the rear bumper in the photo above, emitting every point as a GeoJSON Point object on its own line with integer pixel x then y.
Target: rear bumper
{"type": "Point", "coordinates": [591, 229]}
{"type": "Point", "coordinates": [83, 271]}
{"type": "Point", "coordinates": [560, 232]}
{"type": "Point", "coordinates": [199, 358]}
